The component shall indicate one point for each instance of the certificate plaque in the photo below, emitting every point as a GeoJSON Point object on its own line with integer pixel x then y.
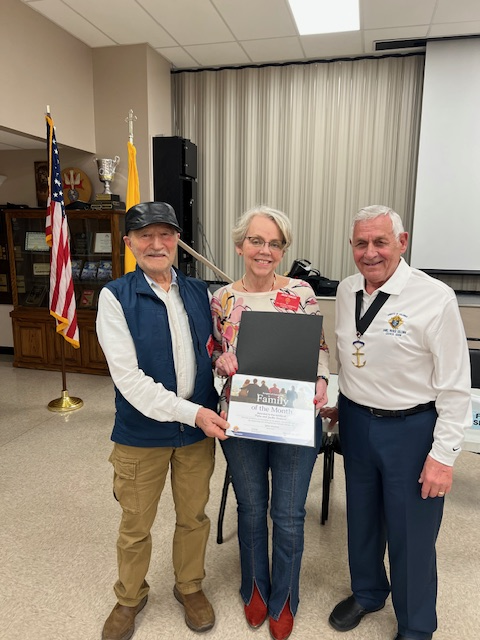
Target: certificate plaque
{"type": "Point", "coordinates": [41, 268]}
{"type": "Point", "coordinates": [272, 409]}
{"type": "Point", "coordinates": [36, 241]}
{"type": "Point", "coordinates": [271, 395]}
{"type": "Point", "coordinates": [103, 243]}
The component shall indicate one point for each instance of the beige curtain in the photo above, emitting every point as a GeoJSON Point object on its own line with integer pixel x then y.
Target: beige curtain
{"type": "Point", "coordinates": [317, 141]}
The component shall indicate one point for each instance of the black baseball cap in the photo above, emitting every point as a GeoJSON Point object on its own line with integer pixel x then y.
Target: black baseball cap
{"type": "Point", "coordinates": [145, 213]}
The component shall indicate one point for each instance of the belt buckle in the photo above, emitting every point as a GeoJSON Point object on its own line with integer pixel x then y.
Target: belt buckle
{"type": "Point", "coordinates": [380, 413]}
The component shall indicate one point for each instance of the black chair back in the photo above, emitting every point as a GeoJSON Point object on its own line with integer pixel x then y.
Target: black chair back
{"type": "Point", "coordinates": [475, 367]}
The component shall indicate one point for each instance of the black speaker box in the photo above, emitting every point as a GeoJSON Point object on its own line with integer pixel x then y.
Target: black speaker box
{"type": "Point", "coordinates": [181, 193]}
{"type": "Point", "coordinates": [174, 173]}
{"type": "Point", "coordinates": [175, 156]}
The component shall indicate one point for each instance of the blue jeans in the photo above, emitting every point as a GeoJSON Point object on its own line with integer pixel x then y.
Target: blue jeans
{"type": "Point", "coordinates": [291, 466]}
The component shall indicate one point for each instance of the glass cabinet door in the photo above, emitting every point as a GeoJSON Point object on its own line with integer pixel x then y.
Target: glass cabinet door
{"type": "Point", "coordinates": [96, 250]}
{"type": "Point", "coordinates": [91, 251]}
{"type": "Point", "coordinates": [31, 255]}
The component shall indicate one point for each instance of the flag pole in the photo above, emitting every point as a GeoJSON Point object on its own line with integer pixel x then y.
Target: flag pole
{"type": "Point", "coordinates": [65, 402]}
{"type": "Point", "coordinates": [133, 187]}
{"type": "Point", "coordinates": [130, 119]}
{"type": "Point", "coordinates": [204, 261]}
{"type": "Point", "coordinates": [61, 297]}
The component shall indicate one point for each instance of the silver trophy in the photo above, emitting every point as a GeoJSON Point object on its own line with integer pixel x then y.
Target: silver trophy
{"type": "Point", "coordinates": [106, 171]}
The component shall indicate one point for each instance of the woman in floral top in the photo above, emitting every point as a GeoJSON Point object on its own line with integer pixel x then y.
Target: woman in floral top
{"type": "Point", "coordinates": [261, 237]}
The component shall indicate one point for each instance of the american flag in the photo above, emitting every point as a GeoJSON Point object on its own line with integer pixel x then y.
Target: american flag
{"type": "Point", "coordinates": [62, 295]}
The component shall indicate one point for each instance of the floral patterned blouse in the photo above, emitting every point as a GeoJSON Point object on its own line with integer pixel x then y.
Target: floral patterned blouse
{"type": "Point", "coordinates": [228, 305]}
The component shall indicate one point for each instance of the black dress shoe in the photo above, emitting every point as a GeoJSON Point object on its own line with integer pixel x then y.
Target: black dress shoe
{"type": "Point", "coordinates": [348, 614]}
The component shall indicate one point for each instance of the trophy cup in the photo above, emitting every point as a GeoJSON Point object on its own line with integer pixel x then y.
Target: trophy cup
{"type": "Point", "coordinates": [106, 174]}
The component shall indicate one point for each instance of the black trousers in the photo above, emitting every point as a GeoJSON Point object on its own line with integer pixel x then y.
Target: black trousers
{"type": "Point", "coordinates": [383, 458]}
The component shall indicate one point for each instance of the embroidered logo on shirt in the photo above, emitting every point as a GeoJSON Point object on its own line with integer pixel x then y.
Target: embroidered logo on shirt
{"type": "Point", "coordinates": [396, 322]}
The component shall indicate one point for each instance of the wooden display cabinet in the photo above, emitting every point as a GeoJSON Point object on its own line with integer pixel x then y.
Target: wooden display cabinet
{"type": "Point", "coordinates": [97, 253]}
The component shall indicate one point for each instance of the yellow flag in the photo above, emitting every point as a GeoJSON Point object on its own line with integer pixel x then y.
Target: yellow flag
{"type": "Point", "coordinates": [133, 198]}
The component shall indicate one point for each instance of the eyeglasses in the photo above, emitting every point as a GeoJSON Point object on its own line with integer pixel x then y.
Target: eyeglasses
{"type": "Point", "coordinates": [275, 245]}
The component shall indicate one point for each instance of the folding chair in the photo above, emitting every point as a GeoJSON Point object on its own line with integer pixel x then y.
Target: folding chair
{"type": "Point", "coordinates": [330, 446]}
{"type": "Point", "coordinates": [475, 367]}
{"type": "Point", "coordinates": [223, 502]}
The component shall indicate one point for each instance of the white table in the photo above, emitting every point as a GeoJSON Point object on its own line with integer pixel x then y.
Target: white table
{"type": "Point", "coordinates": [472, 435]}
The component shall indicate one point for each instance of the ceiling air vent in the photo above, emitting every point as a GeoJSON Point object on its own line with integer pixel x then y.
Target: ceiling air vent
{"type": "Point", "coordinates": [413, 43]}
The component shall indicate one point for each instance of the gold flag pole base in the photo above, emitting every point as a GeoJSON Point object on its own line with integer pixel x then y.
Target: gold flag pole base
{"type": "Point", "coordinates": [65, 403]}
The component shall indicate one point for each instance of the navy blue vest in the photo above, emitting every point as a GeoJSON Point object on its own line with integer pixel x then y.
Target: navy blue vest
{"type": "Point", "coordinates": [147, 320]}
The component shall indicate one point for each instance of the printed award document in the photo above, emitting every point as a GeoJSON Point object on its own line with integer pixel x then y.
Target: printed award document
{"type": "Point", "coordinates": [271, 395]}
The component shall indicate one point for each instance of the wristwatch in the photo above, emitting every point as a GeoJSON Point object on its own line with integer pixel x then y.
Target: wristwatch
{"type": "Point", "coordinates": [323, 378]}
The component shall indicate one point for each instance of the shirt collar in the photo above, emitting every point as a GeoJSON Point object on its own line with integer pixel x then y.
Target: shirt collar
{"type": "Point", "coordinates": [152, 283]}
{"type": "Point", "coordinates": [394, 285]}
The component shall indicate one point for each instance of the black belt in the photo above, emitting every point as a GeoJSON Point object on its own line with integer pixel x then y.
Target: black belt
{"type": "Point", "coordinates": [395, 413]}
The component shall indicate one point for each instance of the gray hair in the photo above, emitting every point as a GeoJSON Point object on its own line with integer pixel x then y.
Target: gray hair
{"type": "Point", "coordinates": [240, 229]}
{"type": "Point", "coordinates": [375, 210]}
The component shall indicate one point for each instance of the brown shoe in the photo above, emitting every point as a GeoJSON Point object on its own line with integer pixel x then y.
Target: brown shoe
{"type": "Point", "coordinates": [120, 624]}
{"type": "Point", "coordinates": [199, 614]}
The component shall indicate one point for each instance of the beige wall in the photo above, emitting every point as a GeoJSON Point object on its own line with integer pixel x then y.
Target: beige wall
{"type": "Point", "coordinates": [159, 102]}
{"type": "Point", "coordinates": [18, 166]}
{"type": "Point", "coordinates": [131, 77]}
{"type": "Point", "coordinates": [90, 92]}
{"type": "Point", "coordinates": [44, 65]}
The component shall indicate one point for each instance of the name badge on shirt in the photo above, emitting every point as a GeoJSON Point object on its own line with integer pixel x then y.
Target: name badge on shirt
{"type": "Point", "coordinates": [287, 301]}
{"type": "Point", "coordinates": [209, 345]}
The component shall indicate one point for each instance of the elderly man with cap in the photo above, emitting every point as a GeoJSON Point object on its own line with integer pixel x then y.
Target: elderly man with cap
{"type": "Point", "coordinates": [154, 326]}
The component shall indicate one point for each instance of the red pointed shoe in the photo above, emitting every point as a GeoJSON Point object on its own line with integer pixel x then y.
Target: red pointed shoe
{"type": "Point", "coordinates": [256, 611]}
{"type": "Point", "coordinates": [282, 628]}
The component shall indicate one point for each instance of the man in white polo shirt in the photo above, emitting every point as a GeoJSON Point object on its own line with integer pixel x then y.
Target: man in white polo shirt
{"type": "Point", "coordinates": [404, 402]}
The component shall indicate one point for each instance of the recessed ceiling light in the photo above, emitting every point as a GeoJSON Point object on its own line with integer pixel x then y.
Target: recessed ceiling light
{"type": "Point", "coordinates": [325, 16]}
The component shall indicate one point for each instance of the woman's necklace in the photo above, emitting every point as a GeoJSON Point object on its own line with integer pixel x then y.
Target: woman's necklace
{"type": "Point", "coordinates": [245, 288]}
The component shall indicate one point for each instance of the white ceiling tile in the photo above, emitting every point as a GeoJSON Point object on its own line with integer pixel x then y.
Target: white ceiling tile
{"type": "Point", "coordinates": [189, 21]}
{"type": "Point", "coordinates": [178, 57]}
{"type": "Point", "coordinates": [274, 49]}
{"type": "Point", "coordinates": [124, 21]}
{"type": "Point", "coordinates": [254, 19]}
{"type": "Point", "coordinates": [449, 11]}
{"type": "Point", "coordinates": [265, 29]}
{"type": "Point", "coordinates": [70, 21]}
{"type": "Point", "coordinates": [376, 14]}
{"type": "Point", "coordinates": [370, 36]}
{"type": "Point", "coordinates": [218, 55]}
{"type": "Point", "coordinates": [330, 45]}
{"type": "Point", "coordinates": [459, 29]}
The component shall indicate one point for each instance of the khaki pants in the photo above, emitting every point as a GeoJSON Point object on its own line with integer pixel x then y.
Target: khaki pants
{"type": "Point", "coordinates": [139, 478]}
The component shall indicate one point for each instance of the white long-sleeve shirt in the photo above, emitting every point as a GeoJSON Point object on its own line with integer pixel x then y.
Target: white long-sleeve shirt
{"type": "Point", "coordinates": [415, 351]}
{"type": "Point", "coordinates": [141, 391]}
